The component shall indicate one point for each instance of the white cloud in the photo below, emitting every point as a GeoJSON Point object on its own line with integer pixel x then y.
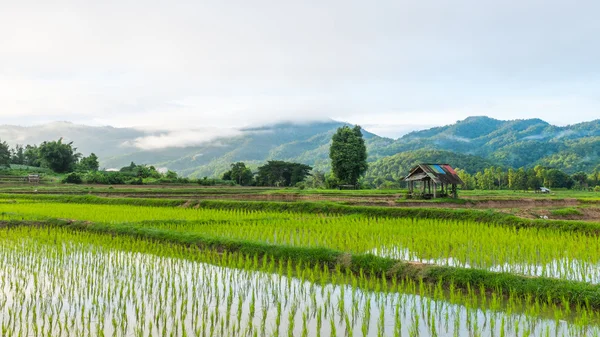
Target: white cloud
{"type": "Point", "coordinates": [191, 64]}
{"type": "Point", "coordinates": [181, 138]}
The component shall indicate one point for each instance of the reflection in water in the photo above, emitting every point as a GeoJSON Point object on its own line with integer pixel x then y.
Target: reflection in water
{"type": "Point", "coordinates": [564, 268]}
{"type": "Point", "coordinates": [68, 289]}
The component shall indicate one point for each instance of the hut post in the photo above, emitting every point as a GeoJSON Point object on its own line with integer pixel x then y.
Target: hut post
{"type": "Point", "coordinates": [434, 190]}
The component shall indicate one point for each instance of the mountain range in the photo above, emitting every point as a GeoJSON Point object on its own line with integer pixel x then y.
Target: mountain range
{"type": "Point", "coordinates": [471, 144]}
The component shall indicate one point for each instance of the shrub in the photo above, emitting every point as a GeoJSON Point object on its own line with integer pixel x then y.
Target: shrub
{"type": "Point", "coordinates": [72, 178]}
{"type": "Point", "coordinates": [597, 189]}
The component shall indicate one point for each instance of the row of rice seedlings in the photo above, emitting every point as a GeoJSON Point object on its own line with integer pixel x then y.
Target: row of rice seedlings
{"type": "Point", "coordinates": [530, 251]}
{"type": "Point", "coordinates": [62, 283]}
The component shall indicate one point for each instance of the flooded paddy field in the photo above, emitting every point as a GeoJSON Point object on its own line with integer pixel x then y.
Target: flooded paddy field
{"type": "Point", "coordinates": [64, 283]}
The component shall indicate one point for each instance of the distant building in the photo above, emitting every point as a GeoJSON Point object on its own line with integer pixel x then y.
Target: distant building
{"type": "Point", "coordinates": [433, 181]}
{"type": "Point", "coordinates": [33, 178]}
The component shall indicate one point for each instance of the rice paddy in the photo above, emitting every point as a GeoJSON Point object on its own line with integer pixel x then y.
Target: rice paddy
{"type": "Point", "coordinates": [466, 244]}
{"type": "Point", "coordinates": [59, 281]}
{"type": "Point", "coordinates": [63, 283]}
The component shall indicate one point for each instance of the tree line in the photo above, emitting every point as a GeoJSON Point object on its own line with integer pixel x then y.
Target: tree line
{"type": "Point", "coordinates": [273, 173]}
{"type": "Point", "coordinates": [348, 154]}
{"type": "Point", "coordinates": [55, 155]}
{"type": "Point", "coordinates": [528, 179]}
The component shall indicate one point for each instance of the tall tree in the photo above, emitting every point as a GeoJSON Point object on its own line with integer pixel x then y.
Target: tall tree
{"type": "Point", "coordinates": [59, 157]}
{"type": "Point", "coordinates": [18, 155]}
{"type": "Point", "coordinates": [348, 154]}
{"type": "Point", "coordinates": [239, 173]}
{"type": "Point", "coordinates": [581, 179]}
{"type": "Point", "coordinates": [4, 154]}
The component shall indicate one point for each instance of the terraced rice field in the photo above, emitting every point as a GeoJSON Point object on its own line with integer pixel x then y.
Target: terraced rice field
{"type": "Point", "coordinates": [70, 281]}
{"type": "Point", "coordinates": [467, 244]}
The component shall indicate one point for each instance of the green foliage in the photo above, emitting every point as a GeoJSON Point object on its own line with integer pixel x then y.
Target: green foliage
{"type": "Point", "coordinates": [239, 173]}
{"type": "Point", "coordinates": [315, 180]}
{"type": "Point", "coordinates": [4, 154]}
{"type": "Point", "coordinates": [331, 181]}
{"type": "Point", "coordinates": [215, 182]}
{"type": "Point", "coordinates": [281, 173]}
{"type": "Point", "coordinates": [106, 178]}
{"type": "Point", "coordinates": [348, 155]}
{"type": "Point", "coordinates": [141, 171]}
{"type": "Point", "coordinates": [392, 169]}
{"type": "Point", "coordinates": [72, 178]}
{"type": "Point", "coordinates": [566, 211]}
{"type": "Point", "coordinates": [18, 155]}
{"type": "Point", "coordinates": [89, 163]}
{"type": "Point", "coordinates": [32, 156]}
{"type": "Point", "coordinates": [59, 157]}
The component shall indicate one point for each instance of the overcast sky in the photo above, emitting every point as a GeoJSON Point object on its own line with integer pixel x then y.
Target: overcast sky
{"type": "Point", "coordinates": [387, 65]}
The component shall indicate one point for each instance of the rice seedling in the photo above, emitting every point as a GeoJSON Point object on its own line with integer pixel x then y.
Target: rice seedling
{"type": "Point", "coordinates": [60, 282]}
{"type": "Point", "coordinates": [467, 244]}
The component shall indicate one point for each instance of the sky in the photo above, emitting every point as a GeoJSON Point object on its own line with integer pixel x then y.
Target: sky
{"type": "Point", "coordinates": [390, 66]}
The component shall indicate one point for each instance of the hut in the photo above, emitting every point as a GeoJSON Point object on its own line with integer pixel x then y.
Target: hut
{"type": "Point", "coordinates": [432, 177]}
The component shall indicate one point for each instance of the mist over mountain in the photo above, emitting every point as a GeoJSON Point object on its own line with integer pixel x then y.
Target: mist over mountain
{"type": "Point", "coordinates": [512, 143]}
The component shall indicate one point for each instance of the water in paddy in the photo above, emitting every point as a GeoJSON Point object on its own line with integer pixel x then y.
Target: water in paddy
{"type": "Point", "coordinates": [64, 287]}
{"type": "Point", "coordinates": [563, 268]}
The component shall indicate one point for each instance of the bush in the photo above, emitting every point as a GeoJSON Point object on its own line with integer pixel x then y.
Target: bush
{"type": "Point", "coordinates": [215, 182]}
{"type": "Point", "coordinates": [105, 178]}
{"type": "Point", "coordinates": [72, 178]}
{"type": "Point", "coordinates": [597, 189]}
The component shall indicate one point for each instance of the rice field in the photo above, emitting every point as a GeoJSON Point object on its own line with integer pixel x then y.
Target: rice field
{"type": "Point", "coordinates": [60, 282]}
{"type": "Point", "coordinates": [467, 244]}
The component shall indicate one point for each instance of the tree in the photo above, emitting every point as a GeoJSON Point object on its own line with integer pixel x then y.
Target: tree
{"type": "Point", "coordinates": [281, 173]}
{"type": "Point", "coordinates": [520, 179]}
{"type": "Point", "coordinates": [4, 154]}
{"type": "Point", "coordinates": [468, 180]}
{"type": "Point", "coordinates": [581, 179]}
{"type": "Point", "coordinates": [533, 181]}
{"type": "Point", "coordinates": [348, 154]}
{"type": "Point", "coordinates": [240, 174]}
{"type": "Point", "coordinates": [172, 175]}
{"type": "Point", "coordinates": [315, 180]}
{"type": "Point", "coordinates": [59, 157]}
{"type": "Point", "coordinates": [18, 155]}
{"type": "Point", "coordinates": [557, 178]}
{"type": "Point", "coordinates": [32, 156]}
{"type": "Point", "coordinates": [89, 163]}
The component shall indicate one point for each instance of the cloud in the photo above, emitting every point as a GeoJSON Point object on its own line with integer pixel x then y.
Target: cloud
{"type": "Point", "coordinates": [181, 138]}
{"type": "Point", "coordinates": [191, 64]}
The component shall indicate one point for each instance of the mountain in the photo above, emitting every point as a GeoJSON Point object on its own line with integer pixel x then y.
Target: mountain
{"type": "Point", "coordinates": [514, 143]}
{"type": "Point", "coordinates": [470, 144]}
{"type": "Point", "coordinates": [305, 143]}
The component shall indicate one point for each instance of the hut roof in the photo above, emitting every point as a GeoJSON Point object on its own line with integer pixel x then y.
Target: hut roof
{"type": "Point", "coordinates": [439, 173]}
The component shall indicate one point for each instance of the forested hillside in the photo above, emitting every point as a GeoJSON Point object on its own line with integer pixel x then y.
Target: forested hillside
{"type": "Point", "coordinates": [518, 143]}
{"type": "Point", "coordinates": [469, 144]}
{"type": "Point", "coordinates": [395, 167]}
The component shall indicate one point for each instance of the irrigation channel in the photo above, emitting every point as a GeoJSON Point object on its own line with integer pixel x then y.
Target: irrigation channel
{"type": "Point", "coordinates": [59, 282]}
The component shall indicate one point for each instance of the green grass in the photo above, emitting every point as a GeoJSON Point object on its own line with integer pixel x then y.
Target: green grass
{"type": "Point", "coordinates": [570, 211]}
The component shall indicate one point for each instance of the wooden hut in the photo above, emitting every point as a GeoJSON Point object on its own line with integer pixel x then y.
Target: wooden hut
{"type": "Point", "coordinates": [432, 177]}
